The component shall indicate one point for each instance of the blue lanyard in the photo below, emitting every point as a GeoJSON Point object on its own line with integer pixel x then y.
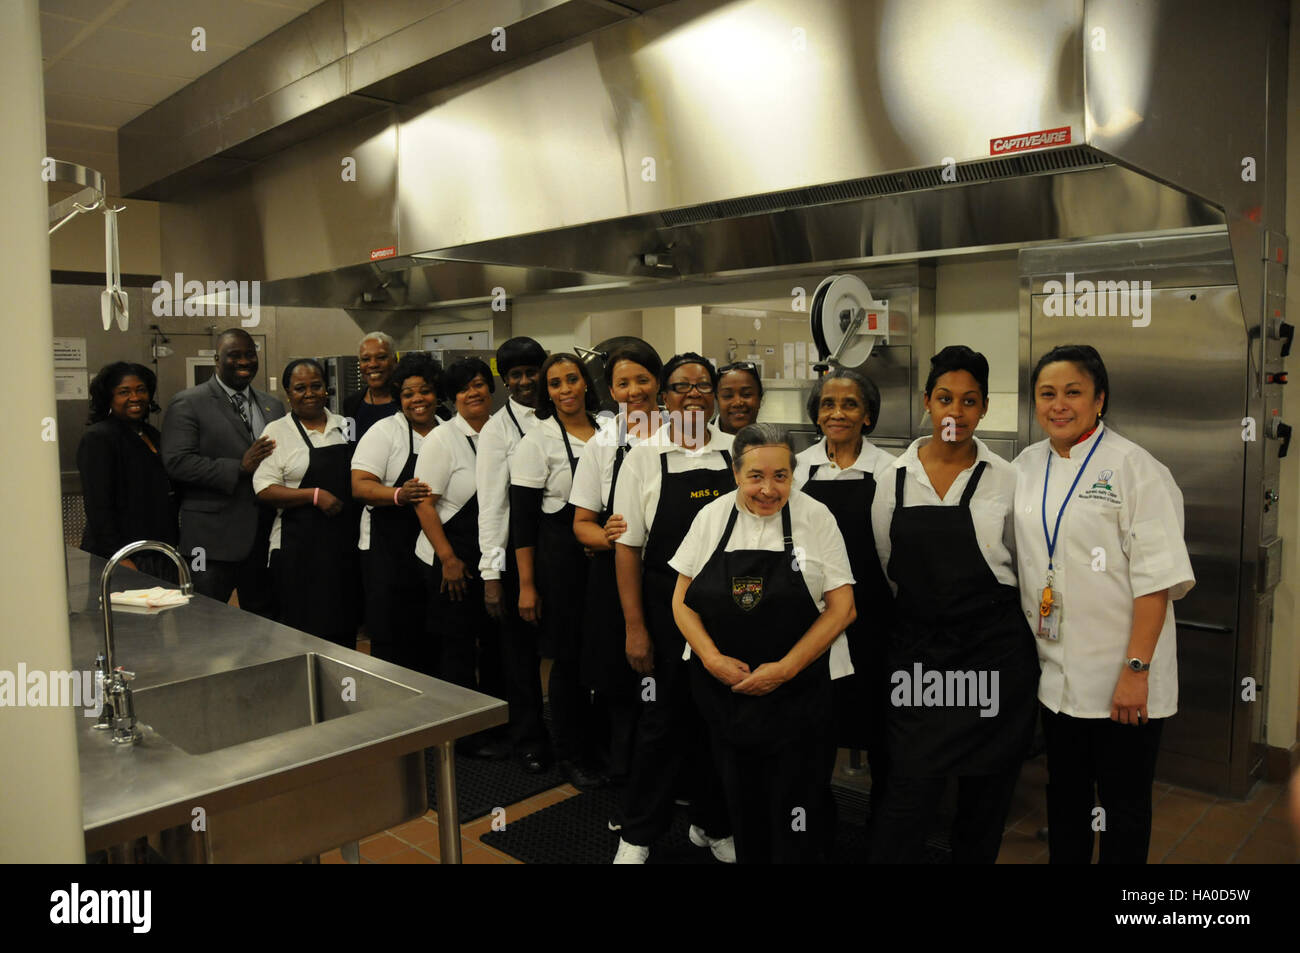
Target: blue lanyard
{"type": "Point", "coordinates": [1051, 537]}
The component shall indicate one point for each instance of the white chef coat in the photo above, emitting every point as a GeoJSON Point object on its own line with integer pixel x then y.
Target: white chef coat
{"type": "Point", "coordinates": [871, 459]}
{"type": "Point", "coordinates": [382, 452]}
{"type": "Point", "coordinates": [1127, 506]}
{"type": "Point", "coordinates": [447, 464]}
{"type": "Point", "coordinates": [497, 444]}
{"type": "Point", "coordinates": [287, 464]}
{"type": "Point", "coordinates": [639, 480]}
{"type": "Point", "coordinates": [816, 537]}
{"type": "Point", "coordinates": [990, 507]}
{"type": "Point", "coordinates": [540, 463]}
{"type": "Point", "coordinates": [596, 467]}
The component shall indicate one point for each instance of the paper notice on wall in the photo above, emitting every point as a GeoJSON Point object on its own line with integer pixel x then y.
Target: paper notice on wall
{"type": "Point", "coordinates": [69, 352]}
{"type": "Point", "coordinates": [71, 384]}
{"type": "Point", "coordinates": [787, 366]}
{"type": "Point", "coordinates": [800, 352]}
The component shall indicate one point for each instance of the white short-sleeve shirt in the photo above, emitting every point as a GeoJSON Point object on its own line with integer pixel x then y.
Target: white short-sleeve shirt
{"type": "Point", "coordinates": [287, 464]}
{"type": "Point", "coordinates": [540, 462]}
{"type": "Point", "coordinates": [637, 494]}
{"type": "Point", "coordinates": [813, 530]}
{"type": "Point", "coordinates": [595, 471]}
{"type": "Point", "coordinates": [382, 451]}
{"type": "Point", "coordinates": [1121, 537]}
{"type": "Point", "coordinates": [496, 446]}
{"type": "Point", "coordinates": [990, 508]}
{"type": "Point", "coordinates": [871, 459]}
{"type": "Point", "coordinates": [446, 462]}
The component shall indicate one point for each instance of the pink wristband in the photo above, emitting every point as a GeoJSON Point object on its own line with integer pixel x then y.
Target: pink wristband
{"type": "Point", "coordinates": [315, 497]}
{"type": "Point", "coordinates": [396, 501]}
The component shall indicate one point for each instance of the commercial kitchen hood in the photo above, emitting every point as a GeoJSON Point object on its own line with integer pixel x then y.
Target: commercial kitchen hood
{"type": "Point", "coordinates": [717, 139]}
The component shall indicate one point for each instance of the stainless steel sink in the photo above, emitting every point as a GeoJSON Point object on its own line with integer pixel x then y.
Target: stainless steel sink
{"type": "Point", "coordinates": [204, 714]}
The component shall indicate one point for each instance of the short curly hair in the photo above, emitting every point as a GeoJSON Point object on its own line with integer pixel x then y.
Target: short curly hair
{"type": "Point", "coordinates": [106, 381]}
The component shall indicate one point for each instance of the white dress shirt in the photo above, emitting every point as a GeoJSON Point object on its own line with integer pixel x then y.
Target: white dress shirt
{"type": "Point", "coordinates": [382, 452]}
{"type": "Point", "coordinates": [871, 459]}
{"type": "Point", "coordinates": [447, 463]}
{"type": "Point", "coordinates": [1121, 537]}
{"type": "Point", "coordinates": [819, 548]}
{"type": "Point", "coordinates": [639, 480]}
{"type": "Point", "coordinates": [990, 508]}
{"type": "Point", "coordinates": [541, 463]}
{"type": "Point", "coordinates": [287, 463]}
{"type": "Point", "coordinates": [497, 445]}
{"type": "Point", "coordinates": [596, 467]}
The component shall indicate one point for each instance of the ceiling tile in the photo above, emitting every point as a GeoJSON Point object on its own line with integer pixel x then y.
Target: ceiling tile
{"type": "Point", "coordinates": [110, 48]}
{"type": "Point", "coordinates": [56, 33]}
{"type": "Point", "coordinates": [98, 112]}
{"type": "Point", "coordinates": [77, 136]}
{"type": "Point", "coordinates": [76, 9]}
{"type": "Point", "coordinates": [79, 79]}
{"type": "Point", "coordinates": [226, 22]}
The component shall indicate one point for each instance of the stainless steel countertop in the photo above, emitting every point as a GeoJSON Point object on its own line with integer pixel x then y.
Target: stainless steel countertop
{"type": "Point", "coordinates": [132, 791]}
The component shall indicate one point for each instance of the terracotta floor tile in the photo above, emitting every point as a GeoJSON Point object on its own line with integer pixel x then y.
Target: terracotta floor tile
{"type": "Point", "coordinates": [481, 855]}
{"type": "Point", "coordinates": [1274, 832]}
{"type": "Point", "coordinates": [333, 857]}
{"type": "Point", "coordinates": [1193, 795]}
{"type": "Point", "coordinates": [1032, 822]}
{"type": "Point", "coordinates": [416, 833]}
{"type": "Point", "coordinates": [1161, 843]}
{"type": "Point", "coordinates": [1223, 826]}
{"type": "Point", "coordinates": [1281, 808]}
{"type": "Point", "coordinates": [410, 856]}
{"type": "Point", "coordinates": [476, 829]}
{"type": "Point", "coordinates": [1257, 804]}
{"type": "Point", "coordinates": [1265, 852]}
{"type": "Point", "coordinates": [381, 847]}
{"type": "Point", "coordinates": [1199, 852]}
{"type": "Point", "coordinates": [1018, 848]}
{"type": "Point", "coordinates": [1178, 812]}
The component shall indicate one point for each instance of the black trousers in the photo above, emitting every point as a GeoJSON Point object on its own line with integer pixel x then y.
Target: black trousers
{"type": "Point", "coordinates": [397, 620]}
{"type": "Point", "coordinates": [521, 670]}
{"type": "Point", "coordinates": [469, 650]}
{"type": "Point", "coordinates": [673, 754]}
{"type": "Point", "coordinates": [250, 576]}
{"type": "Point", "coordinates": [573, 715]}
{"type": "Point", "coordinates": [778, 799]}
{"type": "Point", "coordinates": [1119, 763]}
{"type": "Point", "coordinates": [615, 726]}
{"type": "Point", "coordinates": [906, 814]}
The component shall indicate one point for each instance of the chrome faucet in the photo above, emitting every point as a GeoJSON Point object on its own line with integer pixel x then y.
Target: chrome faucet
{"type": "Point", "coordinates": [119, 711]}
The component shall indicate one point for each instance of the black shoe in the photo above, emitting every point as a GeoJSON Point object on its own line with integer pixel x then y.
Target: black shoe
{"type": "Point", "coordinates": [581, 778]}
{"type": "Point", "coordinates": [485, 750]}
{"type": "Point", "coordinates": [533, 762]}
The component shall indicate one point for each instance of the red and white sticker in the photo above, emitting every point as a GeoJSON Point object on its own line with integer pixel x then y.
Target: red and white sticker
{"type": "Point", "coordinates": [1030, 140]}
{"type": "Point", "coordinates": [378, 253]}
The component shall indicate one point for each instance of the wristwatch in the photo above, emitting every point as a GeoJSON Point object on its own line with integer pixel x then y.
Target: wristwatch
{"type": "Point", "coordinates": [1138, 665]}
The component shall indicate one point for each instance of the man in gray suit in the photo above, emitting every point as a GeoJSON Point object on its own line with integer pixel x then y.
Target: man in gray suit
{"type": "Point", "coordinates": [209, 451]}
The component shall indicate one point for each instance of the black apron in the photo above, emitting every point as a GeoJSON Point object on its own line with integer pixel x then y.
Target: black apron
{"type": "Point", "coordinates": [755, 606]}
{"type": "Point", "coordinates": [559, 565]}
{"type": "Point", "coordinates": [319, 566]}
{"type": "Point", "coordinates": [604, 659]}
{"type": "Point", "coordinates": [681, 496]}
{"type": "Point", "coordinates": [953, 615]}
{"type": "Point", "coordinates": [861, 699]}
{"type": "Point", "coordinates": [394, 531]}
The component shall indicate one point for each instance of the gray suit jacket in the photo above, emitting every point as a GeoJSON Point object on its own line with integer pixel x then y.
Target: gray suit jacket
{"type": "Point", "coordinates": [203, 441]}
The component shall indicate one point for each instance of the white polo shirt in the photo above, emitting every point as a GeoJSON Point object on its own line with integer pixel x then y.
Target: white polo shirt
{"type": "Point", "coordinates": [639, 480]}
{"type": "Point", "coordinates": [496, 446]}
{"type": "Point", "coordinates": [816, 537]}
{"type": "Point", "coordinates": [596, 467]}
{"type": "Point", "coordinates": [382, 452]}
{"type": "Point", "coordinates": [990, 508]}
{"type": "Point", "coordinates": [871, 459]}
{"type": "Point", "coordinates": [287, 464]}
{"type": "Point", "coordinates": [1121, 537]}
{"type": "Point", "coordinates": [541, 463]}
{"type": "Point", "coordinates": [446, 463]}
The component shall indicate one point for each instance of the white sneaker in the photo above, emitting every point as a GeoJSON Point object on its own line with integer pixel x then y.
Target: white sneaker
{"type": "Point", "coordinates": [724, 848]}
{"type": "Point", "coordinates": [631, 853]}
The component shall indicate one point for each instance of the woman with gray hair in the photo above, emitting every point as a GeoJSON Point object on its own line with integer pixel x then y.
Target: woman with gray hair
{"type": "Point", "coordinates": [764, 588]}
{"type": "Point", "coordinates": [378, 356]}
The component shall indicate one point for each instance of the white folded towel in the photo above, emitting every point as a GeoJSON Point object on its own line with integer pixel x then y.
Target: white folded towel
{"type": "Point", "coordinates": [155, 598]}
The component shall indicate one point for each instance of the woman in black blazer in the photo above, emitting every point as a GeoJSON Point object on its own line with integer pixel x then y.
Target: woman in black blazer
{"type": "Point", "coordinates": [124, 488]}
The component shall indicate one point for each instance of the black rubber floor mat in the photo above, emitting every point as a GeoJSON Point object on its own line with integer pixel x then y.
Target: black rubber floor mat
{"type": "Point", "coordinates": [484, 785]}
{"type": "Point", "coordinates": [576, 831]}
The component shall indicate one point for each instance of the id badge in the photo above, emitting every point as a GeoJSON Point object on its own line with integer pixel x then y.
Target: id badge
{"type": "Point", "coordinates": [1049, 624]}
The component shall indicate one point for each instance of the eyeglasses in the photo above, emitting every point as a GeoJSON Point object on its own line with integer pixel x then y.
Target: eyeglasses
{"type": "Point", "coordinates": [685, 387]}
{"type": "Point", "coordinates": [739, 366]}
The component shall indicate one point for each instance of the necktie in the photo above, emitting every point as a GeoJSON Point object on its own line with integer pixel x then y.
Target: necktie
{"type": "Point", "coordinates": [240, 405]}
